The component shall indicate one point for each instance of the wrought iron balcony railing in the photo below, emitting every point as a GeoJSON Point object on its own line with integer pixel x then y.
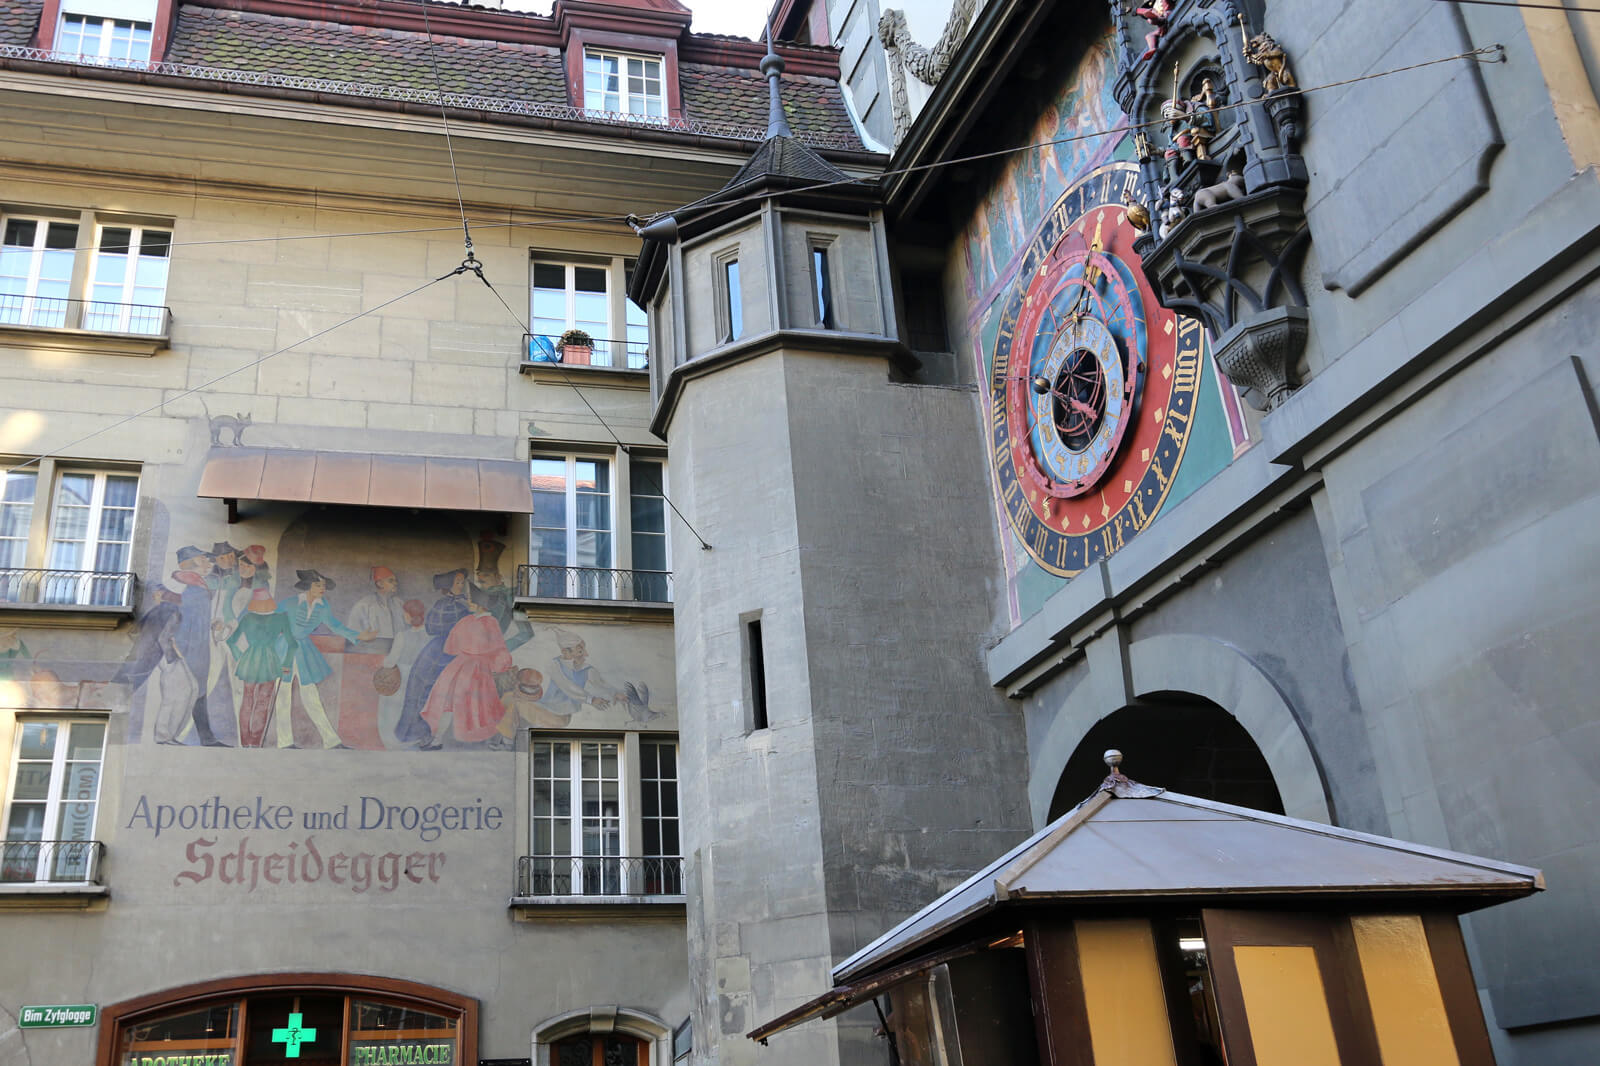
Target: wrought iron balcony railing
{"type": "Point", "coordinates": [613, 355]}
{"type": "Point", "coordinates": [66, 588]}
{"type": "Point", "coordinates": [598, 875]}
{"type": "Point", "coordinates": [42, 862]}
{"type": "Point", "coordinates": [96, 316]}
{"type": "Point", "coordinates": [593, 583]}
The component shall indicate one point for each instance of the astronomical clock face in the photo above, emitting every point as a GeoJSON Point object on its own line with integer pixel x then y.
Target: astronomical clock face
{"type": "Point", "coordinates": [1094, 384]}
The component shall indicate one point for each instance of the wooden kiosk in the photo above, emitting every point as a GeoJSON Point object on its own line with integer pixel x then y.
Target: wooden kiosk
{"type": "Point", "coordinates": [1147, 928]}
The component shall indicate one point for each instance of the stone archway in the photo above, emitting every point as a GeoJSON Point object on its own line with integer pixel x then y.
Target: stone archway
{"type": "Point", "coordinates": [604, 1019]}
{"type": "Point", "coordinates": [1179, 742]}
{"type": "Point", "coordinates": [1211, 670]}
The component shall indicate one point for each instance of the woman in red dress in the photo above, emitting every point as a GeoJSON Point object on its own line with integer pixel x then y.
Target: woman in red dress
{"type": "Point", "coordinates": [465, 694]}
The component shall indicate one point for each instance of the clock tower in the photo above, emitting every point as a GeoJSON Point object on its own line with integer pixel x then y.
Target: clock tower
{"type": "Point", "coordinates": [844, 758]}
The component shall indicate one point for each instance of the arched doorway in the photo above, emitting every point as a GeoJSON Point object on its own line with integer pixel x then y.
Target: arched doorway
{"type": "Point", "coordinates": [1180, 742]}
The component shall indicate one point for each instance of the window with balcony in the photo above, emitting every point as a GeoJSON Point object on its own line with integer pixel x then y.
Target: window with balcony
{"type": "Point", "coordinates": [80, 557]}
{"type": "Point", "coordinates": [623, 83]}
{"type": "Point", "coordinates": [52, 801]}
{"type": "Point", "coordinates": [571, 296]}
{"type": "Point", "coordinates": [123, 288]}
{"type": "Point", "coordinates": [574, 548]}
{"type": "Point", "coordinates": [596, 830]}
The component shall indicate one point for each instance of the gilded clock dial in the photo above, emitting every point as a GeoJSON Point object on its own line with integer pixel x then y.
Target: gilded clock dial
{"type": "Point", "coordinates": [1093, 383]}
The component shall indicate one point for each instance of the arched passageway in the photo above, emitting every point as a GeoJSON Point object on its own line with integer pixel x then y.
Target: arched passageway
{"type": "Point", "coordinates": [1178, 741]}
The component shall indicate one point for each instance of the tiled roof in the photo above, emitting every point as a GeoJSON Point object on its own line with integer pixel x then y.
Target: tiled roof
{"type": "Point", "coordinates": [720, 97]}
{"type": "Point", "coordinates": [725, 94]}
{"type": "Point", "coordinates": [18, 20]}
{"type": "Point", "coordinates": [240, 41]}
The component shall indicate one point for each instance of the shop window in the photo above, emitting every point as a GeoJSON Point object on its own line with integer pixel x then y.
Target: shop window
{"type": "Point", "coordinates": [52, 802]}
{"type": "Point", "coordinates": [305, 1019]}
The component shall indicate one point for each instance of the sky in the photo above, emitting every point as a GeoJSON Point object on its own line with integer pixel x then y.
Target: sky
{"type": "Point", "coordinates": [742, 17]}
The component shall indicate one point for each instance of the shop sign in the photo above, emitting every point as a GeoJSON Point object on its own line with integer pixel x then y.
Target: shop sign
{"type": "Point", "coordinates": [57, 1017]}
{"type": "Point", "coordinates": [403, 1053]}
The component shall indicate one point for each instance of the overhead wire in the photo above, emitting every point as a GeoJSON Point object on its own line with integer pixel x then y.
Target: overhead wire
{"type": "Point", "coordinates": [192, 390]}
{"type": "Point", "coordinates": [1496, 51]}
{"type": "Point", "coordinates": [1525, 3]}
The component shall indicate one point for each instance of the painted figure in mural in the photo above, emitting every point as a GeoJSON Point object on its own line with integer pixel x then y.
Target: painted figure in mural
{"type": "Point", "coordinates": [382, 610]}
{"type": "Point", "coordinates": [150, 647]}
{"type": "Point", "coordinates": [193, 635]}
{"type": "Point", "coordinates": [256, 556]}
{"type": "Point", "coordinates": [12, 650]}
{"type": "Point", "coordinates": [450, 608]}
{"type": "Point", "coordinates": [465, 701]}
{"type": "Point", "coordinates": [569, 691]}
{"type": "Point", "coordinates": [227, 598]}
{"type": "Point", "coordinates": [163, 688]}
{"type": "Point", "coordinates": [1157, 13]}
{"type": "Point", "coordinates": [490, 591]}
{"type": "Point", "coordinates": [408, 644]}
{"type": "Point", "coordinates": [525, 700]}
{"type": "Point", "coordinates": [307, 613]}
{"type": "Point", "coordinates": [265, 660]}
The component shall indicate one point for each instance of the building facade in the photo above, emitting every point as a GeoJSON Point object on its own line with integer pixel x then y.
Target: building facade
{"type": "Point", "coordinates": [317, 748]}
{"type": "Point", "coordinates": [1208, 379]}
{"type": "Point", "coordinates": [1237, 291]}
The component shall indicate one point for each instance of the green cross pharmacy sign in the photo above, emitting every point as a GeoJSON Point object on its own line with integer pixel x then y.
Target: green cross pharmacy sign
{"type": "Point", "coordinates": [57, 1017]}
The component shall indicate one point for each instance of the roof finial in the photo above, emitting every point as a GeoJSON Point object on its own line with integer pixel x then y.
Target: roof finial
{"type": "Point", "coordinates": [772, 67]}
{"type": "Point", "coordinates": [1113, 759]}
{"type": "Point", "coordinates": [1121, 786]}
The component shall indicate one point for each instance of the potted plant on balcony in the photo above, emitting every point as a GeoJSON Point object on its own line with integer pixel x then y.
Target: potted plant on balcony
{"type": "Point", "coordinates": [577, 347]}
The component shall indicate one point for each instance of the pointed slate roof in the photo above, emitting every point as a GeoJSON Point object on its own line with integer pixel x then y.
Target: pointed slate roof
{"type": "Point", "coordinates": [1135, 841]}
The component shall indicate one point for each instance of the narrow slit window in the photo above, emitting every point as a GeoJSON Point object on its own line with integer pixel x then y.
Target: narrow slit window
{"type": "Point", "coordinates": [824, 287]}
{"type": "Point", "coordinates": [735, 319]}
{"type": "Point", "coordinates": [758, 674]}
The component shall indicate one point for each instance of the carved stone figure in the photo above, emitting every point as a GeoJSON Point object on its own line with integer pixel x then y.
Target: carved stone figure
{"type": "Point", "coordinates": [1174, 210]}
{"type": "Point", "coordinates": [1265, 53]}
{"type": "Point", "coordinates": [1232, 188]}
{"type": "Point", "coordinates": [927, 65]}
{"type": "Point", "coordinates": [1189, 131]}
{"type": "Point", "coordinates": [1155, 13]}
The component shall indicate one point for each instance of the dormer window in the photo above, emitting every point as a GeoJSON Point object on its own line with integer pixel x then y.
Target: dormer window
{"type": "Point", "coordinates": [113, 32]}
{"type": "Point", "coordinates": [622, 83]}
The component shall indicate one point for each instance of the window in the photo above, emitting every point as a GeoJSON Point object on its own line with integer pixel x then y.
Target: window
{"type": "Point", "coordinates": [623, 84]}
{"type": "Point", "coordinates": [578, 296]}
{"type": "Point", "coordinates": [570, 541]}
{"type": "Point", "coordinates": [755, 676]}
{"type": "Point", "coordinates": [658, 807]}
{"type": "Point", "coordinates": [16, 516]}
{"type": "Point", "coordinates": [733, 297]}
{"type": "Point", "coordinates": [127, 277]}
{"type": "Point", "coordinates": [647, 506]}
{"type": "Point", "coordinates": [581, 840]}
{"type": "Point", "coordinates": [50, 808]}
{"type": "Point", "coordinates": [609, 1049]}
{"type": "Point", "coordinates": [89, 549]}
{"type": "Point", "coordinates": [36, 271]}
{"type": "Point", "coordinates": [355, 1020]}
{"type": "Point", "coordinates": [129, 280]}
{"type": "Point", "coordinates": [822, 283]}
{"type": "Point", "coordinates": [115, 41]}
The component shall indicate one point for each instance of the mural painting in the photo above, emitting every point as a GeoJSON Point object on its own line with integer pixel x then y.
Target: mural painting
{"type": "Point", "coordinates": [1106, 409]}
{"type": "Point", "coordinates": [416, 646]}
